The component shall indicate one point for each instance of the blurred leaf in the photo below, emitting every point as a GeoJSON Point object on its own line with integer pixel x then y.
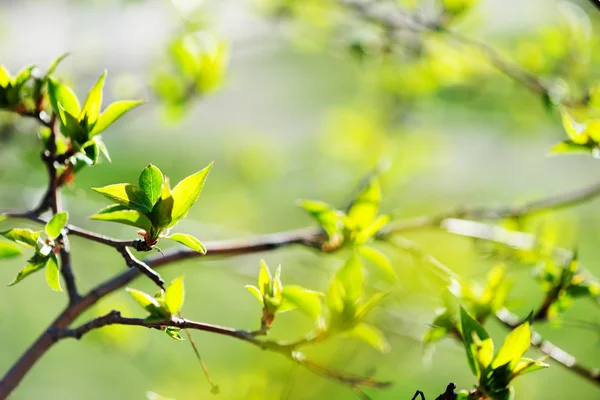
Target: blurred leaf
{"type": "Point", "coordinates": [9, 250]}
{"type": "Point", "coordinates": [367, 306]}
{"type": "Point", "coordinates": [127, 195]}
{"type": "Point", "coordinates": [189, 241]}
{"type": "Point", "coordinates": [381, 261]}
{"type": "Point", "coordinates": [4, 76]}
{"type": "Point", "coordinates": [93, 103]}
{"type": "Point", "coordinates": [351, 277]}
{"type": "Point", "coordinates": [112, 113]}
{"type": "Point", "coordinates": [53, 274]}
{"type": "Point", "coordinates": [56, 225]}
{"type": "Point", "coordinates": [370, 231]}
{"type": "Point", "coordinates": [365, 207]}
{"type": "Point", "coordinates": [568, 146]}
{"type": "Point", "coordinates": [370, 335]}
{"type": "Point", "coordinates": [25, 237]}
{"type": "Point", "coordinates": [175, 295]}
{"type": "Point", "coordinates": [55, 63]}
{"type": "Point", "coordinates": [305, 300]}
{"type": "Point", "coordinates": [187, 192]}
{"type": "Point", "coordinates": [122, 215]}
{"type": "Point", "coordinates": [148, 302]}
{"type": "Point", "coordinates": [151, 182]}
{"type": "Point", "coordinates": [515, 345]}
{"type": "Point", "coordinates": [255, 292]}
{"type": "Point", "coordinates": [327, 216]}
{"type": "Point", "coordinates": [35, 264]}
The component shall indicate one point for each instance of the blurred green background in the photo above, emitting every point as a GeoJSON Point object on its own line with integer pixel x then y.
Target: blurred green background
{"type": "Point", "coordinates": [296, 117]}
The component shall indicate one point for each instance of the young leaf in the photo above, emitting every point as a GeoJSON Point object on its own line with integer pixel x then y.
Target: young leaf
{"type": "Point", "coordinates": [24, 237]}
{"type": "Point", "coordinates": [4, 76]}
{"type": "Point", "coordinates": [328, 217]}
{"type": "Point", "coordinates": [527, 365]}
{"type": "Point", "coordinates": [151, 182]}
{"type": "Point", "coordinates": [55, 63]}
{"type": "Point", "coordinates": [189, 241]}
{"type": "Point", "coordinates": [162, 212]}
{"type": "Point", "coordinates": [56, 224]}
{"type": "Point", "coordinates": [93, 102]}
{"type": "Point", "coordinates": [371, 230]}
{"type": "Point", "coordinates": [515, 345]}
{"type": "Point", "coordinates": [9, 250]}
{"type": "Point", "coordinates": [61, 93]}
{"type": "Point", "coordinates": [471, 327]}
{"type": "Point", "coordinates": [305, 300]}
{"type": "Point", "coordinates": [127, 195]}
{"type": "Point", "coordinates": [264, 279]}
{"type": "Point", "coordinates": [173, 332]}
{"type": "Point", "coordinates": [380, 260]}
{"type": "Point", "coordinates": [256, 293]}
{"type": "Point", "coordinates": [174, 295]}
{"type": "Point", "coordinates": [52, 274]}
{"type": "Point", "coordinates": [35, 264]}
{"type": "Point", "coordinates": [112, 113]}
{"type": "Point", "coordinates": [351, 277]}
{"type": "Point", "coordinates": [366, 205]}
{"type": "Point", "coordinates": [370, 335]}
{"type": "Point", "coordinates": [187, 192]}
{"type": "Point", "coordinates": [121, 215]}
{"type": "Point", "coordinates": [367, 306]}
{"type": "Point", "coordinates": [568, 146]}
{"type": "Point", "coordinates": [148, 302]}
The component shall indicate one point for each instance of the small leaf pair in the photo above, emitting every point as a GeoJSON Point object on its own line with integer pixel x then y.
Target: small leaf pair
{"type": "Point", "coordinates": [45, 249]}
{"type": "Point", "coordinates": [163, 305]}
{"type": "Point", "coordinates": [275, 298]}
{"type": "Point", "coordinates": [83, 125]}
{"type": "Point", "coordinates": [496, 371]}
{"type": "Point", "coordinates": [348, 305]}
{"type": "Point", "coordinates": [153, 206]}
{"type": "Point", "coordinates": [584, 135]}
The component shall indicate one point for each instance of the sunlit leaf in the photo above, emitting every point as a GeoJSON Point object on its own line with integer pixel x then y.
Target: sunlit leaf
{"type": "Point", "coordinates": [127, 195]}
{"type": "Point", "coordinates": [367, 306]}
{"type": "Point", "coordinates": [305, 300]}
{"type": "Point", "coordinates": [365, 207]}
{"type": "Point", "coordinates": [25, 237]}
{"type": "Point", "coordinates": [328, 217]}
{"type": "Point", "coordinates": [61, 93]}
{"type": "Point", "coordinates": [55, 63]}
{"type": "Point", "coordinates": [380, 260]}
{"type": "Point", "coordinates": [351, 277]}
{"type": "Point", "coordinates": [93, 102]}
{"type": "Point", "coordinates": [56, 224]}
{"type": "Point", "coordinates": [53, 274]}
{"type": "Point", "coordinates": [371, 335]}
{"type": "Point", "coordinates": [527, 365]}
{"type": "Point", "coordinates": [175, 295]}
{"type": "Point", "coordinates": [173, 332]}
{"type": "Point", "coordinates": [151, 182]}
{"type": "Point", "coordinates": [148, 302]}
{"type": "Point", "coordinates": [35, 264]}
{"type": "Point", "coordinates": [112, 113]}
{"type": "Point", "coordinates": [569, 147]}
{"type": "Point", "coordinates": [255, 292]}
{"type": "Point", "coordinates": [264, 279]}
{"type": "Point", "coordinates": [187, 192]}
{"type": "Point", "coordinates": [122, 215]}
{"type": "Point", "coordinates": [4, 76]}
{"type": "Point", "coordinates": [515, 345]}
{"type": "Point", "coordinates": [162, 211]}
{"type": "Point", "coordinates": [189, 241]}
{"type": "Point", "coordinates": [470, 328]}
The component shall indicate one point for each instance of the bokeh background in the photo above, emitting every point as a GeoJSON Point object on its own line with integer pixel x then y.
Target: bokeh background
{"type": "Point", "coordinates": [298, 115]}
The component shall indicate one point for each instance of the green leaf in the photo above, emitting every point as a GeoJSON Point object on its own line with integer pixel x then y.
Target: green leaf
{"type": "Point", "coordinates": [112, 113]}
{"type": "Point", "coordinates": [162, 211]}
{"type": "Point", "coordinates": [35, 264]}
{"type": "Point", "coordinates": [71, 127]}
{"type": "Point", "coordinates": [305, 300]}
{"type": "Point", "coordinates": [264, 279]}
{"type": "Point", "coordinates": [93, 102]}
{"type": "Point", "coordinates": [371, 335]}
{"type": "Point", "coordinates": [25, 237]}
{"type": "Point", "coordinates": [187, 192]}
{"type": "Point", "coordinates": [371, 230]}
{"type": "Point", "coordinates": [122, 215]}
{"type": "Point", "coordinates": [381, 261]}
{"type": "Point", "coordinates": [351, 277]}
{"type": "Point", "coordinates": [52, 274]}
{"type": "Point", "coordinates": [515, 345]}
{"type": "Point", "coordinates": [61, 93]}
{"type": "Point", "coordinates": [367, 306]}
{"type": "Point", "coordinates": [527, 365]}
{"type": "Point", "coordinates": [151, 183]}
{"type": "Point", "coordinates": [471, 329]}
{"type": "Point", "coordinates": [55, 63]}
{"type": "Point", "coordinates": [173, 332]}
{"type": "Point", "coordinates": [9, 250]}
{"type": "Point", "coordinates": [149, 303]}
{"type": "Point", "coordinates": [189, 241]}
{"type": "Point", "coordinates": [56, 224]}
{"type": "Point", "coordinates": [328, 217]}
{"type": "Point", "coordinates": [568, 146]}
{"type": "Point", "coordinates": [174, 295]}
{"type": "Point", "coordinates": [127, 195]}
{"type": "Point", "coordinates": [366, 205]}
{"type": "Point", "coordinates": [255, 292]}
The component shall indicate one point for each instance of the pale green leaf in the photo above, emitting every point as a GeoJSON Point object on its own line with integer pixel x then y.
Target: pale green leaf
{"type": "Point", "coordinates": [25, 237]}
{"type": "Point", "coordinates": [127, 195]}
{"type": "Point", "coordinates": [122, 215]}
{"type": "Point", "coordinates": [264, 279]}
{"type": "Point", "coordinates": [305, 300]}
{"type": "Point", "coordinates": [53, 274]}
{"type": "Point", "coordinates": [187, 192]}
{"type": "Point", "coordinates": [471, 329]}
{"type": "Point", "coordinates": [175, 295]}
{"type": "Point", "coordinates": [56, 224]}
{"type": "Point", "coordinates": [255, 292]}
{"type": "Point", "coordinates": [527, 365]}
{"type": "Point", "coordinates": [515, 345]}
{"type": "Point", "coordinates": [569, 147]}
{"type": "Point", "coordinates": [371, 230]}
{"type": "Point", "coordinates": [328, 217]}
{"type": "Point", "coordinates": [61, 93]}
{"type": "Point", "coordinates": [4, 76]}
{"type": "Point", "coordinates": [189, 241]}
{"type": "Point", "coordinates": [351, 277]}
{"type": "Point", "coordinates": [148, 302]}
{"type": "Point", "coordinates": [380, 260]}
{"type": "Point", "coordinates": [371, 335]}
{"type": "Point", "coordinates": [55, 63]}
{"type": "Point", "coordinates": [365, 207]}
{"type": "Point", "coordinates": [367, 306]}
{"type": "Point", "coordinates": [112, 113]}
{"type": "Point", "coordinates": [151, 182]}
{"type": "Point", "coordinates": [9, 250]}
{"type": "Point", "coordinates": [35, 264]}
